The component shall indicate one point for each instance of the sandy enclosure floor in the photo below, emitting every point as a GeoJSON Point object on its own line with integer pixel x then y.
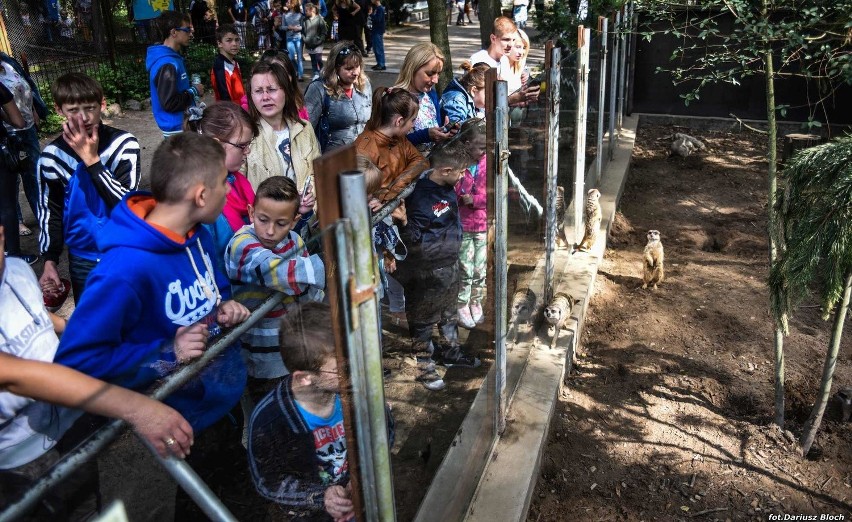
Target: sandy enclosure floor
{"type": "Point", "coordinates": [667, 411]}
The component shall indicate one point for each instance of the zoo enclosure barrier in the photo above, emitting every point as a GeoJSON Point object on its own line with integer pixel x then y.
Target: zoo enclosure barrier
{"type": "Point", "coordinates": [353, 291]}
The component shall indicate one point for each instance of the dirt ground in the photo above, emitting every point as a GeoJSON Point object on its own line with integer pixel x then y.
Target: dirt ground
{"type": "Point", "coordinates": [667, 411]}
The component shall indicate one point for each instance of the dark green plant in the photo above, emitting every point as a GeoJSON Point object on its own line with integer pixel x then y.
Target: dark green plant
{"type": "Point", "coordinates": [125, 81]}
{"type": "Point", "coordinates": [728, 40]}
{"type": "Point", "coordinates": [815, 215]}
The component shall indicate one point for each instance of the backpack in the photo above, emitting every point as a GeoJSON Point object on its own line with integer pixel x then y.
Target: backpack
{"type": "Point", "coordinates": [322, 130]}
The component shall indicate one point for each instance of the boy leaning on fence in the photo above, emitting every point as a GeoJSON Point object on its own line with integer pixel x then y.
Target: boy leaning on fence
{"type": "Point", "coordinates": [297, 440]}
{"type": "Point", "coordinates": [267, 256]}
{"type": "Point", "coordinates": [34, 435]}
{"type": "Point", "coordinates": [82, 175]}
{"type": "Point", "coordinates": [155, 297]}
{"type": "Point", "coordinates": [430, 273]}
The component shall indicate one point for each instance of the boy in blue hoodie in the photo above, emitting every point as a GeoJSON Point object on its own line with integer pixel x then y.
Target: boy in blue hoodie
{"type": "Point", "coordinates": [430, 273]}
{"type": "Point", "coordinates": [154, 297]}
{"type": "Point", "coordinates": [171, 92]}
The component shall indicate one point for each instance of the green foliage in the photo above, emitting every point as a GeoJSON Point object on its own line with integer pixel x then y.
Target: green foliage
{"type": "Point", "coordinates": [725, 41]}
{"type": "Point", "coordinates": [815, 214]}
{"type": "Point", "coordinates": [127, 80]}
{"type": "Point", "coordinates": [559, 20]}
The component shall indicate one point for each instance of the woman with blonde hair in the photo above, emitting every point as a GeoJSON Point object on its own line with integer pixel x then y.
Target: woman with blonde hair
{"type": "Point", "coordinates": [418, 75]}
{"type": "Point", "coordinates": [340, 102]}
{"type": "Point", "coordinates": [517, 75]}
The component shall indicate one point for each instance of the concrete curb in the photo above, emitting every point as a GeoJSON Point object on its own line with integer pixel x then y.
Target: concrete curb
{"type": "Point", "coordinates": [506, 487]}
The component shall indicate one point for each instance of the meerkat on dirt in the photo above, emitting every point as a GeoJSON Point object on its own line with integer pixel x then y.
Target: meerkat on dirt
{"type": "Point", "coordinates": [653, 262]}
{"type": "Point", "coordinates": [592, 216]}
{"type": "Point", "coordinates": [557, 314]}
{"type": "Point", "coordinates": [523, 305]}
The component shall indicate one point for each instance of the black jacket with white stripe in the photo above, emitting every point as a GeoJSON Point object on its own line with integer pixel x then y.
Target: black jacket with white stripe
{"type": "Point", "coordinates": [116, 174]}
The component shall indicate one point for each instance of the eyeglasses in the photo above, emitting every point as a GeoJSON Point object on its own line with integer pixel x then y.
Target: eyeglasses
{"type": "Point", "coordinates": [183, 29]}
{"type": "Point", "coordinates": [268, 90]}
{"type": "Point", "coordinates": [241, 146]}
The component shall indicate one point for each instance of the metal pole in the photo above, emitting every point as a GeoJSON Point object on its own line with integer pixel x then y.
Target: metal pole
{"type": "Point", "coordinates": [106, 435]}
{"type": "Point", "coordinates": [186, 478]}
{"type": "Point", "coordinates": [366, 355]}
{"type": "Point", "coordinates": [391, 205]}
{"type": "Point", "coordinates": [501, 228]}
{"type": "Point", "coordinates": [622, 60]}
{"type": "Point", "coordinates": [551, 169]}
{"type": "Point", "coordinates": [602, 30]}
{"type": "Point", "coordinates": [583, 37]}
{"type": "Point", "coordinates": [613, 84]}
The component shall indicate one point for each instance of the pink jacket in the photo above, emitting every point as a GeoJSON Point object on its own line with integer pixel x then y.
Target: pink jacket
{"type": "Point", "coordinates": [474, 216]}
{"type": "Point", "coordinates": [237, 201]}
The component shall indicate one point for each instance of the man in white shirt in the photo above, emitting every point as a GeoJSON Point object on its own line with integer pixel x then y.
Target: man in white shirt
{"type": "Point", "coordinates": [503, 34]}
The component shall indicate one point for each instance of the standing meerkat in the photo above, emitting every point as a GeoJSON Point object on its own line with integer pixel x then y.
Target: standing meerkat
{"type": "Point", "coordinates": [653, 269]}
{"type": "Point", "coordinates": [557, 314]}
{"type": "Point", "coordinates": [592, 216]}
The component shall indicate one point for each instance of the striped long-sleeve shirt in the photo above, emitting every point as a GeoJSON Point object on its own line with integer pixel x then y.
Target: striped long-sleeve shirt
{"type": "Point", "coordinates": [116, 174]}
{"type": "Point", "coordinates": [255, 271]}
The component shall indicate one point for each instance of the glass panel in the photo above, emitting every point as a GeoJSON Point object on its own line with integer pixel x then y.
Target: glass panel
{"type": "Point", "coordinates": [427, 419]}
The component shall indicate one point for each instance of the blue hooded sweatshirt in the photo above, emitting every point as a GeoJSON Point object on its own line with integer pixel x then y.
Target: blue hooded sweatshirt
{"type": "Point", "coordinates": [157, 57]}
{"type": "Point", "coordinates": [145, 287]}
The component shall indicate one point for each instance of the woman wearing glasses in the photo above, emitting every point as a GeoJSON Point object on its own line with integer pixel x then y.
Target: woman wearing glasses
{"type": "Point", "coordinates": [286, 145]}
{"type": "Point", "coordinates": [340, 102]}
{"type": "Point", "coordinates": [419, 75]}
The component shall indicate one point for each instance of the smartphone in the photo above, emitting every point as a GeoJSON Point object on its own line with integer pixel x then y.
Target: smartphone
{"type": "Point", "coordinates": [448, 126]}
{"type": "Point", "coordinates": [307, 185]}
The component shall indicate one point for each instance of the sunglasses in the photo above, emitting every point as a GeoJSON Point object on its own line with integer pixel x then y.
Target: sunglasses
{"type": "Point", "coordinates": [346, 51]}
{"type": "Point", "coordinates": [183, 29]}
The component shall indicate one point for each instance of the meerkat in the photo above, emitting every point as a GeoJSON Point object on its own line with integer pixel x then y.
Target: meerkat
{"type": "Point", "coordinates": [653, 269]}
{"type": "Point", "coordinates": [592, 217]}
{"type": "Point", "coordinates": [561, 238]}
{"type": "Point", "coordinates": [557, 314]}
{"type": "Point", "coordinates": [523, 305]}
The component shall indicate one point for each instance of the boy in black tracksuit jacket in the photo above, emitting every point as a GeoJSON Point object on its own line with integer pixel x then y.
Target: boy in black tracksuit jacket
{"type": "Point", "coordinates": [430, 273]}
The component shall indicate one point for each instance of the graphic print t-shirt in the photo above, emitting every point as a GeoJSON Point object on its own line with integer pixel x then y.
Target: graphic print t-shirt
{"type": "Point", "coordinates": [329, 441]}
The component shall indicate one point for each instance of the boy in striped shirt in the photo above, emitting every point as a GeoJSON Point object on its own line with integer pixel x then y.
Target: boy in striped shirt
{"type": "Point", "coordinates": [269, 255]}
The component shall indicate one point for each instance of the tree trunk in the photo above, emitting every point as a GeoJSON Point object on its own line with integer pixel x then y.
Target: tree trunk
{"type": "Point", "coordinates": [812, 426]}
{"type": "Point", "coordinates": [488, 11]}
{"type": "Point", "coordinates": [772, 157]}
{"type": "Point", "coordinates": [99, 36]}
{"type": "Point", "coordinates": [440, 37]}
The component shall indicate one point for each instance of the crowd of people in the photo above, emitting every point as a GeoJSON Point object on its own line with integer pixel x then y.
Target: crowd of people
{"type": "Point", "coordinates": [229, 219]}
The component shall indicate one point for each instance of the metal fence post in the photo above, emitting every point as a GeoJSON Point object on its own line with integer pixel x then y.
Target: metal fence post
{"type": "Point", "coordinates": [622, 62]}
{"type": "Point", "coordinates": [602, 30]}
{"type": "Point", "coordinates": [553, 58]}
{"type": "Point", "coordinates": [583, 37]}
{"type": "Point", "coordinates": [365, 353]}
{"type": "Point", "coordinates": [197, 490]}
{"type": "Point", "coordinates": [501, 228]}
{"type": "Point", "coordinates": [613, 85]}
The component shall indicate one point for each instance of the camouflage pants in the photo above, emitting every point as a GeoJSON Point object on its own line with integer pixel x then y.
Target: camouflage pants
{"type": "Point", "coordinates": [473, 256]}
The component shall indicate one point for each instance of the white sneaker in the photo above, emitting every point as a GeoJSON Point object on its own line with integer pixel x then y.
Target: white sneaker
{"type": "Point", "coordinates": [476, 312]}
{"type": "Point", "coordinates": [465, 319]}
